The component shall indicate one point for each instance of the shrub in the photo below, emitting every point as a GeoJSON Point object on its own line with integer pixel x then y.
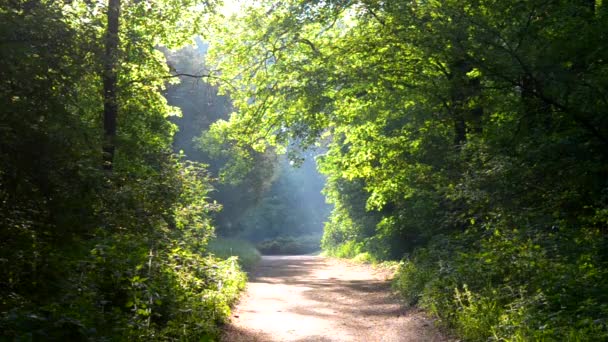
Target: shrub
{"type": "Point", "coordinates": [365, 257]}
{"type": "Point", "coordinates": [511, 286]}
{"type": "Point", "coordinates": [244, 251]}
{"type": "Point", "coordinates": [287, 245]}
{"type": "Point", "coordinates": [125, 290]}
{"type": "Point", "coordinates": [348, 249]}
{"type": "Point", "coordinates": [144, 276]}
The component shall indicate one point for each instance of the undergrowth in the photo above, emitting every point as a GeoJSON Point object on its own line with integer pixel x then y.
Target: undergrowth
{"type": "Point", "coordinates": [290, 245]}
{"type": "Point", "coordinates": [244, 252]}
{"type": "Point", "coordinates": [513, 286]}
{"type": "Point", "coordinates": [125, 290]}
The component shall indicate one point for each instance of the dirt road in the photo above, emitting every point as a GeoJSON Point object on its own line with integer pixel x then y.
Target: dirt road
{"type": "Point", "coordinates": [311, 298]}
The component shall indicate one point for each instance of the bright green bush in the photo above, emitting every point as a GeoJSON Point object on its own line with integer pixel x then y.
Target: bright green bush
{"type": "Point", "coordinates": [348, 249]}
{"type": "Point", "coordinates": [411, 280]}
{"type": "Point", "coordinates": [365, 257]}
{"type": "Point", "coordinates": [245, 252]}
{"type": "Point", "coordinates": [204, 299]}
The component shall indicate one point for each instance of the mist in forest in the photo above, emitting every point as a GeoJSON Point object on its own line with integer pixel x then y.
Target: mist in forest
{"type": "Point", "coordinates": [276, 202]}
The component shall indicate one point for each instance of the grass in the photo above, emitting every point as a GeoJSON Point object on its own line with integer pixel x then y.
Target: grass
{"type": "Point", "coordinates": [248, 256]}
{"type": "Point", "coordinates": [348, 253]}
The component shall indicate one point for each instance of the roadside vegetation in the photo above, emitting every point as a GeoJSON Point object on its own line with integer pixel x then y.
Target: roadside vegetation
{"type": "Point", "coordinates": [287, 245]}
{"type": "Point", "coordinates": [465, 139]}
{"type": "Point", "coordinates": [268, 201]}
{"type": "Point", "coordinates": [244, 252]}
{"type": "Point", "coordinates": [103, 226]}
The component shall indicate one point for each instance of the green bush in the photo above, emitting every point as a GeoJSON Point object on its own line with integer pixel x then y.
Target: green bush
{"type": "Point", "coordinates": [140, 278]}
{"type": "Point", "coordinates": [290, 245]}
{"type": "Point", "coordinates": [510, 286]}
{"type": "Point", "coordinates": [365, 257]}
{"type": "Point", "coordinates": [245, 252]}
{"type": "Point", "coordinates": [348, 249]}
{"type": "Point", "coordinates": [125, 290]}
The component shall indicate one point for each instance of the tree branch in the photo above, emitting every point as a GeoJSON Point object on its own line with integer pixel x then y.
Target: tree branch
{"type": "Point", "coordinates": [183, 74]}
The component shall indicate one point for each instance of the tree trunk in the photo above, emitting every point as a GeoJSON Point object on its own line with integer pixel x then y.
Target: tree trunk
{"type": "Point", "coordinates": [467, 116]}
{"type": "Point", "coordinates": [110, 65]}
{"type": "Point", "coordinates": [458, 70]}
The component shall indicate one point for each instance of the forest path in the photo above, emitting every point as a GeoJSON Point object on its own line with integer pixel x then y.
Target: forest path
{"type": "Point", "coordinates": [312, 298]}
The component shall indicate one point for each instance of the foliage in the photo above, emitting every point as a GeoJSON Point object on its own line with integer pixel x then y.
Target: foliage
{"type": "Point", "coordinates": [86, 253]}
{"type": "Point", "coordinates": [469, 138]}
{"type": "Point", "coordinates": [365, 257]}
{"type": "Point", "coordinates": [292, 207]}
{"type": "Point", "coordinates": [512, 286]}
{"type": "Point", "coordinates": [245, 253]}
{"type": "Point", "coordinates": [348, 249]}
{"type": "Point", "coordinates": [287, 245]}
{"type": "Point", "coordinates": [263, 195]}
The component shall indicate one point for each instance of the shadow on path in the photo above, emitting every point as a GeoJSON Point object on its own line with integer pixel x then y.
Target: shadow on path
{"type": "Point", "coordinates": [311, 298]}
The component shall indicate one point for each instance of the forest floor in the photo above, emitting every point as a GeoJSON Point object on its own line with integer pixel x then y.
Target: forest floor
{"type": "Point", "coordinates": [312, 298]}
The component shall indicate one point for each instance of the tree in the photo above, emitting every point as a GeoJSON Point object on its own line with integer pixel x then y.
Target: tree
{"type": "Point", "coordinates": [110, 82]}
{"type": "Point", "coordinates": [472, 131]}
{"type": "Point", "coordinates": [86, 256]}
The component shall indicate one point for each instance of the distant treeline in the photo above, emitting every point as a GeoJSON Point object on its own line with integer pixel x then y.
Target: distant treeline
{"type": "Point", "coordinates": [263, 196]}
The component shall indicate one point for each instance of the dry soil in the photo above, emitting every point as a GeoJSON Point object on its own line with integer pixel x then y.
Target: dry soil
{"type": "Point", "coordinates": [312, 298]}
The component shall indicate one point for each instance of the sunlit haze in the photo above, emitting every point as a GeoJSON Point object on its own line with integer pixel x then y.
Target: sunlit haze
{"type": "Point", "coordinates": [231, 7]}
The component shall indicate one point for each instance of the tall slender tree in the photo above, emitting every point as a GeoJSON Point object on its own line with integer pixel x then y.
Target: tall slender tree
{"type": "Point", "coordinates": [110, 80]}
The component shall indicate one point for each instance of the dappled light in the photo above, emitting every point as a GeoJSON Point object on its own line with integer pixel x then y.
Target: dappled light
{"type": "Point", "coordinates": [303, 170]}
{"type": "Point", "coordinates": [268, 200]}
{"type": "Point", "coordinates": [308, 298]}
